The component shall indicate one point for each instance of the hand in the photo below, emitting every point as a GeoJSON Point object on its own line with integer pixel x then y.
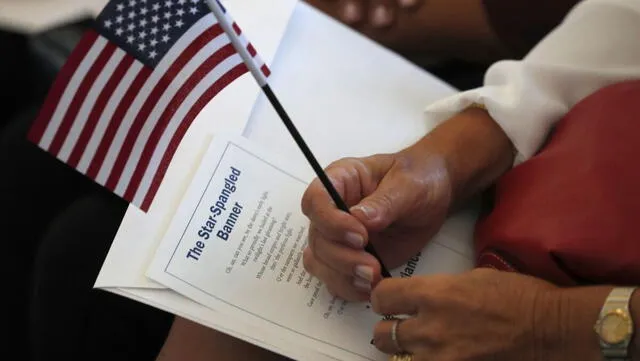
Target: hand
{"type": "Point", "coordinates": [398, 202]}
{"type": "Point", "coordinates": [477, 316]}
{"type": "Point", "coordinates": [377, 13]}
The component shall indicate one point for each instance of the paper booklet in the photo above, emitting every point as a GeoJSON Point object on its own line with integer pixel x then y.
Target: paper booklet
{"type": "Point", "coordinates": [235, 245]}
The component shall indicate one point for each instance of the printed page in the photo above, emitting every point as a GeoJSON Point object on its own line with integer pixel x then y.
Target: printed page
{"type": "Point", "coordinates": [235, 245]}
{"type": "Point", "coordinates": [183, 307]}
{"type": "Point", "coordinates": [140, 233]}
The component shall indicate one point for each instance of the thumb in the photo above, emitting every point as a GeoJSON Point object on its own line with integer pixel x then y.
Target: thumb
{"type": "Point", "coordinates": [390, 201]}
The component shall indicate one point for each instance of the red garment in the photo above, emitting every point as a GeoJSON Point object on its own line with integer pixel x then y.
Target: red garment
{"type": "Point", "coordinates": [571, 214]}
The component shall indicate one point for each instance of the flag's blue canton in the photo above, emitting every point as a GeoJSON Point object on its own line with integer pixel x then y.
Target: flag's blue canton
{"type": "Point", "coordinates": [147, 29]}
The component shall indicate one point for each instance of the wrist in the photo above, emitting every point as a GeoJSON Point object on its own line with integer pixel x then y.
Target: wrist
{"type": "Point", "coordinates": [576, 311]}
{"type": "Point", "coordinates": [474, 149]}
{"type": "Point", "coordinates": [581, 311]}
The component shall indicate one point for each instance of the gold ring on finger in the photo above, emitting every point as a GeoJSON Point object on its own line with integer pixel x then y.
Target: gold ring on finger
{"type": "Point", "coordinates": [402, 357]}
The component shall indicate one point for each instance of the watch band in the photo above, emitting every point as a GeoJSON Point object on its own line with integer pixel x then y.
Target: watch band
{"type": "Point", "coordinates": [618, 299]}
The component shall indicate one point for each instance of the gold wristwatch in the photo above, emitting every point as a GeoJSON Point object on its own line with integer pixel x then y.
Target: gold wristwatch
{"type": "Point", "coordinates": [615, 325]}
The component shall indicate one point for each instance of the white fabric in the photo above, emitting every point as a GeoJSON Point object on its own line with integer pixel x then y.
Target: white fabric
{"type": "Point", "coordinates": [598, 44]}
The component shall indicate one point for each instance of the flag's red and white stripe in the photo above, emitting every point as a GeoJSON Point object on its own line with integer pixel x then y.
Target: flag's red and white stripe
{"type": "Point", "coordinates": [119, 122]}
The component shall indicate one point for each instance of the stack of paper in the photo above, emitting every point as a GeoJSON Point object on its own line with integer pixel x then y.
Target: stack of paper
{"type": "Point", "coordinates": [222, 242]}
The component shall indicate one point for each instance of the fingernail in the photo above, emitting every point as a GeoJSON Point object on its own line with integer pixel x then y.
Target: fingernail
{"type": "Point", "coordinates": [361, 284]}
{"type": "Point", "coordinates": [407, 3]}
{"type": "Point", "coordinates": [350, 12]}
{"type": "Point", "coordinates": [380, 16]}
{"type": "Point", "coordinates": [369, 212]}
{"type": "Point", "coordinates": [364, 272]}
{"type": "Point", "coordinates": [355, 239]}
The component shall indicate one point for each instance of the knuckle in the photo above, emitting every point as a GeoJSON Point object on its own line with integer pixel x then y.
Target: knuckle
{"type": "Point", "coordinates": [404, 163]}
{"type": "Point", "coordinates": [305, 203]}
{"type": "Point", "coordinates": [379, 291]}
{"type": "Point", "coordinates": [436, 292]}
{"type": "Point", "coordinates": [340, 163]}
{"type": "Point", "coordinates": [425, 296]}
{"type": "Point", "coordinates": [338, 290]}
{"type": "Point", "coordinates": [435, 334]}
{"type": "Point", "coordinates": [334, 164]}
{"type": "Point", "coordinates": [353, 295]}
{"type": "Point", "coordinates": [443, 282]}
{"type": "Point", "coordinates": [383, 201]}
{"type": "Point", "coordinates": [332, 291]}
{"type": "Point", "coordinates": [308, 197]}
{"type": "Point", "coordinates": [341, 262]}
{"type": "Point", "coordinates": [430, 178]}
{"type": "Point", "coordinates": [408, 177]}
{"type": "Point", "coordinates": [345, 168]}
{"type": "Point", "coordinates": [376, 304]}
{"type": "Point", "coordinates": [321, 251]}
{"type": "Point", "coordinates": [483, 272]}
{"type": "Point", "coordinates": [345, 290]}
{"type": "Point", "coordinates": [386, 201]}
{"type": "Point", "coordinates": [342, 266]}
{"type": "Point", "coordinates": [312, 238]}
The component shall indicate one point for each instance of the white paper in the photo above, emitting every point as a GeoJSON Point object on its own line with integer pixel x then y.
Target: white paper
{"type": "Point", "coordinates": [264, 25]}
{"type": "Point", "coordinates": [235, 245]}
{"type": "Point", "coordinates": [347, 95]}
{"type": "Point", "coordinates": [176, 304]}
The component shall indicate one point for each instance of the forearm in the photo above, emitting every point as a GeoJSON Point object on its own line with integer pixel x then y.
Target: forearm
{"type": "Point", "coordinates": [576, 310]}
{"type": "Point", "coordinates": [439, 28]}
{"type": "Point", "coordinates": [475, 151]}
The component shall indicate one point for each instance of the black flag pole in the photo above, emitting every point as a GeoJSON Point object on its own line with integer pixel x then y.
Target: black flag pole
{"type": "Point", "coordinates": [261, 79]}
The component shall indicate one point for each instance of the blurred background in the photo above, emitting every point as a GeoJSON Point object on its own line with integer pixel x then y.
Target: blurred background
{"type": "Point", "coordinates": [36, 37]}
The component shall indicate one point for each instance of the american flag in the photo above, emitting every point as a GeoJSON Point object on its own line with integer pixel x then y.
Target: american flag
{"type": "Point", "coordinates": [131, 88]}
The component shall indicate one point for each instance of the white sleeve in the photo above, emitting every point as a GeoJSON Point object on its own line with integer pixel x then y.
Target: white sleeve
{"type": "Point", "coordinates": [597, 44]}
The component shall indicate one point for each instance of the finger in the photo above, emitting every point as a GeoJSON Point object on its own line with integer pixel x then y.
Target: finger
{"type": "Point", "coordinates": [396, 296]}
{"type": "Point", "coordinates": [334, 223]}
{"type": "Point", "coordinates": [389, 202]}
{"type": "Point", "coordinates": [343, 259]}
{"type": "Point", "coordinates": [352, 178]}
{"type": "Point", "coordinates": [344, 287]}
{"type": "Point", "coordinates": [396, 250]}
{"type": "Point", "coordinates": [407, 337]}
{"type": "Point", "coordinates": [352, 11]}
{"type": "Point", "coordinates": [382, 13]}
{"type": "Point", "coordinates": [403, 190]}
{"type": "Point", "coordinates": [337, 225]}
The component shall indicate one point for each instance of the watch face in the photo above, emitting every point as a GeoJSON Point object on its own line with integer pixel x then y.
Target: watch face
{"type": "Point", "coordinates": [615, 327]}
